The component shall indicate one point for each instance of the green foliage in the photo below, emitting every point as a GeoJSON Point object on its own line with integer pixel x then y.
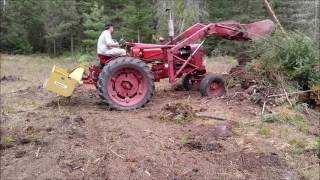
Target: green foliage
{"type": "Point", "coordinates": [93, 26]}
{"type": "Point", "coordinates": [30, 26]}
{"type": "Point", "coordinates": [271, 118]}
{"type": "Point", "coordinates": [8, 139]}
{"type": "Point", "coordinates": [137, 22]}
{"type": "Point", "coordinates": [284, 132]}
{"type": "Point", "coordinates": [84, 58]}
{"type": "Point", "coordinates": [7, 110]}
{"type": "Point", "coordinates": [297, 146]}
{"type": "Point", "coordinates": [184, 139]}
{"type": "Point", "coordinates": [61, 24]}
{"type": "Point", "coordinates": [20, 24]}
{"type": "Point", "coordinates": [183, 117]}
{"type": "Point", "coordinates": [291, 118]}
{"type": "Point", "coordinates": [318, 147]}
{"type": "Point", "coordinates": [293, 55]}
{"type": "Point", "coordinates": [265, 132]}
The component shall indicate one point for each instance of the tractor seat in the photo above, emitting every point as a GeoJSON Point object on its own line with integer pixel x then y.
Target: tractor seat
{"type": "Point", "coordinates": [103, 59]}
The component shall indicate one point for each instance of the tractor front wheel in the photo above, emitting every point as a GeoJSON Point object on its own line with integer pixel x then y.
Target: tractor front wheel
{"type": "Point", "coordinates": [187, 82]}
{"type": "Point", "coordinates": [126, 83]}
{"type": "Point", "coordinates": [212, 85]}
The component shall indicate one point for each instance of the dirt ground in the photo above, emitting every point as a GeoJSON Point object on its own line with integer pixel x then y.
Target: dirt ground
{"type": "Point", "coordinates": [47, 137]}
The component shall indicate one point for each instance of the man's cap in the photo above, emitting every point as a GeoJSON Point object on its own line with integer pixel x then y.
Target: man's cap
{"type": "Point", "coordinates": [108, 24]}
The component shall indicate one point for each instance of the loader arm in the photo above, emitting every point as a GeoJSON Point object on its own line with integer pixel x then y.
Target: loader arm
{"type": "Point", "coordinates": [191, 30]}
{"type": "Point", "coordinates": [231, 30]}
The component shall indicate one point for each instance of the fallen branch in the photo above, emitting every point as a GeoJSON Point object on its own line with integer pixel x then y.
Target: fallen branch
{"type": "Point", "coordinates": [285, 92]}
{"type": "Point", "coordinates": [211, 117]}
{"type": "Point", "coordinates": [38, 152]}
{"type": "Point", "coordinates": [147, 172]}
{"type": "Point", "coordinates": [263, 107]}
{"type": "Point", "coordinates": [117, 154]}
{"type": "Point", "coordinates": [293, 93]}
{"type": "Point", "coordinates": [188, 98]}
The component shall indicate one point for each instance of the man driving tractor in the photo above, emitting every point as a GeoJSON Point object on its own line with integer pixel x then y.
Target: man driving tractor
{"type": "Point", "coordinates": [106, 45]}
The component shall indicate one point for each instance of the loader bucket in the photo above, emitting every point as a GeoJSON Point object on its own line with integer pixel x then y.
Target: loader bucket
{"type": "Point", "coordinates": [63, 83]}
{"type": "Point", "coordinates": [259, 29]}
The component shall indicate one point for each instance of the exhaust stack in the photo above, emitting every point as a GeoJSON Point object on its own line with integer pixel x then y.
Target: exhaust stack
{"type": "Point", "coordinates": [170, 25]}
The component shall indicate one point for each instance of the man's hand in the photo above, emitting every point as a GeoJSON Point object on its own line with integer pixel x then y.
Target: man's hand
{"type": "Point", "coordinates": [122, 42]}
{"type": "Point", "coordinates": [112, 45]}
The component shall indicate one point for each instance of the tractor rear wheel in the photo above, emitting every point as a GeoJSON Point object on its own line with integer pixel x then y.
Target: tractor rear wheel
{"type": "Point", "coordinates": [212, 85]}
{"type": "Point", "coordinates": [126, 83]}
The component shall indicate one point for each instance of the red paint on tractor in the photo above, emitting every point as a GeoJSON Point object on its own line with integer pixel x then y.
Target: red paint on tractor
{"type": "Point", "coordinates": [215, 88]}
{"type": "Point", "coordinates": [127, 86]}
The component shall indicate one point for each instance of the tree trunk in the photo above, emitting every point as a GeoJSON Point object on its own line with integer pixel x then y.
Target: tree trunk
{"type": "Point", "coordinates": [71, 45]}
{"type": "Point", "coordinates": [4, 6]}
{"type": "Point", "coordinates": [317, 23]}
{"type": "Point", "coordinates": [54, 48]}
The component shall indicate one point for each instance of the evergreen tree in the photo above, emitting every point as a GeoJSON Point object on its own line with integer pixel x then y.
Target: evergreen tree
{"type": "Point", "coordinates": [22, 26]}
{"type": "Point", "coordinates": [137, 22]}
{"type": "Point", "coordinates": [60, 29]}
{"type": "Point", "coordinates": [93, 26]}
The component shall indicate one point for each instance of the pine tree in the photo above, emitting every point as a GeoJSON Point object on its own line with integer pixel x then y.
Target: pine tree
{"type": "Point", "coordinates": [93, 26]}
{"type": "Point", "coordinates": [137, 22]}
{"type": "Point", "coordinates": [22, 27]}
{"type": "Point", "coordinates": [61, 21]}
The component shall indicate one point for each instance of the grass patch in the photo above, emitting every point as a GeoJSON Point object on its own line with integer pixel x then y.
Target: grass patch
{"type": "Point", "coordinates": [284, 132]}
{"type": "Point", "coordinates": [317, 146]}
{"type": "Point", "coordinates": [184, 139]}
{"type": "Point", "coordinates": [232, 60]}
{"type": "Point", "coordinates": [177, 112]}
{"type": "Point", "coordinates": [7, 109]}
{"type": "Point", "coordinates": [298, 106]}
{"type": "Point", "coordinates": [290, 118]}
{"type": "Point", "coordinates": [265, 132]}
{"type": "Point", "coordinates": [62, 60]}
{"type": "Point", "coordinates": [311, 173]}
{"type": "Point", "coordinates": [8, 139]}
{"type": "Point", "coordinates": [183, 117]}
{"type": "Point", "coordinates": [297, 146]}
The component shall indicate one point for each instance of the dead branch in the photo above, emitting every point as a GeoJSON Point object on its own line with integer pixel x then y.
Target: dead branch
{"type": "Point", "coordinates": [116, 154]}
{"type": "Point", "coordinates": [38, 152]}
{"type": "Point", "coordinates": [285, 92]}
{"type": "Point", "coordinates": [273, 15]}
{"type": "Point", "coordinates": [147, 172]}
{"type": "Point", "coordinates": [263, 107]}
{"type": "Point", "coordinates": [293, 93]}
{"type": "Point", "coordinates": [211, 117]}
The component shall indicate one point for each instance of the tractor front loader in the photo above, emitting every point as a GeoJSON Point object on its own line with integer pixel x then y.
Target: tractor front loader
{"type": "Point", "coordinates": [127, 82]}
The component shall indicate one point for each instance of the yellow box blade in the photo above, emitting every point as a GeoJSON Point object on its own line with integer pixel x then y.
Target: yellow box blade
{"type": "Point", "coordinates": [77, 74]}
{"type": "Point", "coordinates": [59, 82]}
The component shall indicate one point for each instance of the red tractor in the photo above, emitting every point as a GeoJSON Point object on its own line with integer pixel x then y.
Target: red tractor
{"type": "Point", "coordinates": [127, 82]}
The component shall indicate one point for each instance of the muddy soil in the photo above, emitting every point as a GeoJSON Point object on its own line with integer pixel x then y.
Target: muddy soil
{"type": "Point", "coordinates": [47, 137]}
